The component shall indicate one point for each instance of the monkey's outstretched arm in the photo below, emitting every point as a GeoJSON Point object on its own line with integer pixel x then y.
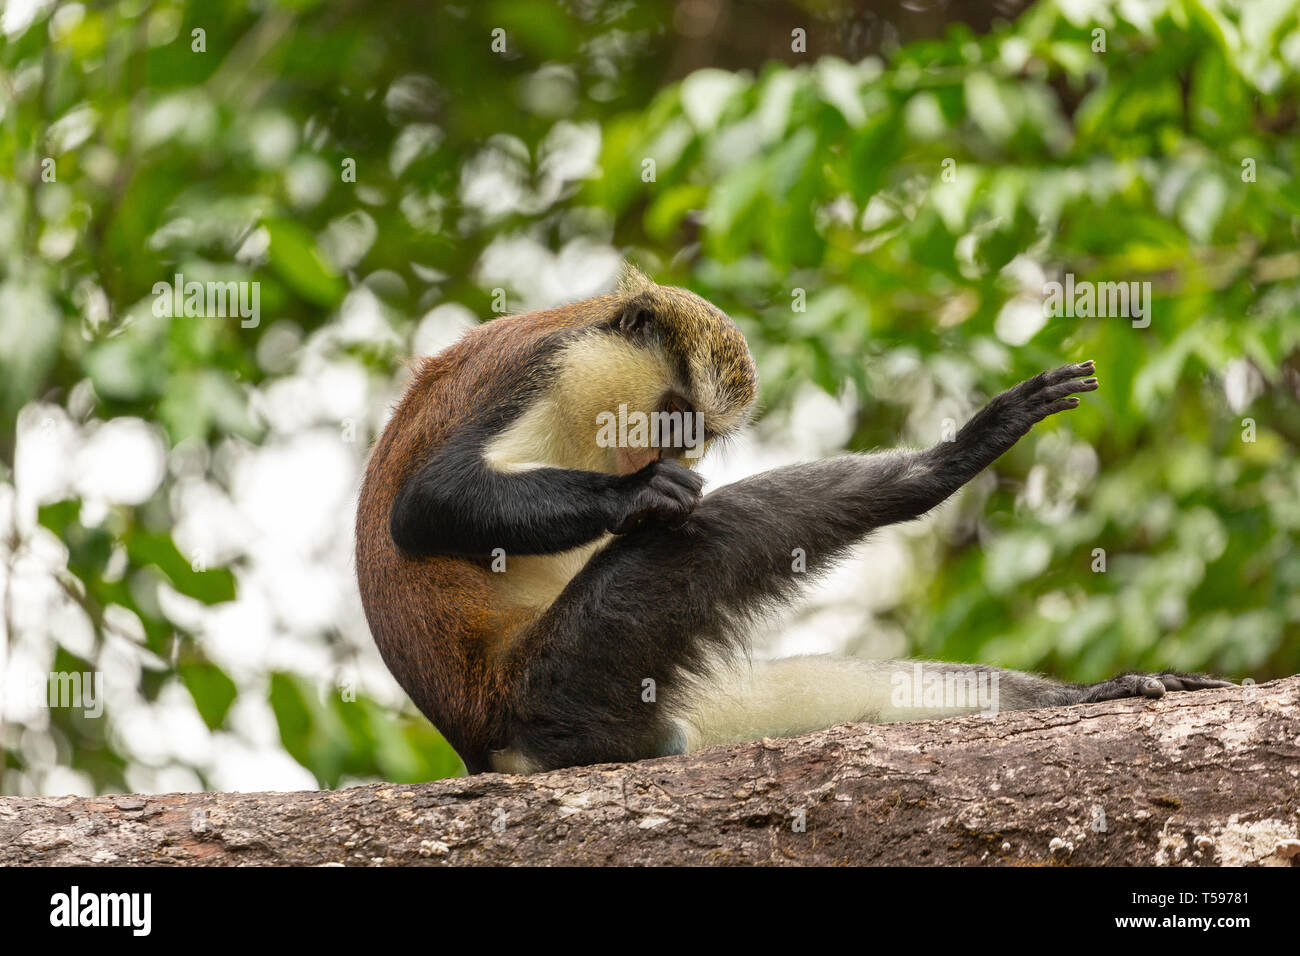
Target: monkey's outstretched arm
{"type": "Point", "coordinates": [457, 504]}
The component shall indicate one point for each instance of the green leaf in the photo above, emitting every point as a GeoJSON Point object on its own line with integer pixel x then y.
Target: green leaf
{"type": "Point", "coordinates": [299, 261]}
{"type": "Point", "coordinates": [212, 690]}
{"type": "Point", "coordinates": [211, 586]}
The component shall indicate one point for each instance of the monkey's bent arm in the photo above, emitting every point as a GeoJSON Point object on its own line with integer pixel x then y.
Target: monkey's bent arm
{"type": "Point", "coordinates": [458, 504]}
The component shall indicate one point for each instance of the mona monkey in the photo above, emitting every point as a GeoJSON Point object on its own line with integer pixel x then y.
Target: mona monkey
{"type": "Point", "coordinates": [526, 582]}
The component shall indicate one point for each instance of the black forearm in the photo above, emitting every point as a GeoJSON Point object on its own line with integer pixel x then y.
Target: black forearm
{"type": "Point", "coordinates": [456, 504]}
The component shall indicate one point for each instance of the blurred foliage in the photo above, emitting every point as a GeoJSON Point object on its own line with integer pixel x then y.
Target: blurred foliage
{"type": "Point", "coordinates": [916, 201]}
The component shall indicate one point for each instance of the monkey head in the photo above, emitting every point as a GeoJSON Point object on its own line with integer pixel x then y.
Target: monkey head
{"type": "Point", "coordinates": [667, 374]}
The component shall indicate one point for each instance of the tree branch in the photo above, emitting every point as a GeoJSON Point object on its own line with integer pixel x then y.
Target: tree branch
{"type": "Point", "coordinates": [1211, 777]}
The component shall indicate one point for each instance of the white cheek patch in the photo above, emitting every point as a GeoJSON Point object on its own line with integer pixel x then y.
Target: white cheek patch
{"type": "Point", "coordinates": [598, 376]}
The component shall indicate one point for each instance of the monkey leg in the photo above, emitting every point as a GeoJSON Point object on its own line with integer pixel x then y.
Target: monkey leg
{"type": "Point", "coordinates": [796, 695]}
{"type": "Point", "coordinates": [732, 700]}
{"type": "Point", "coordinates": [673, 597]}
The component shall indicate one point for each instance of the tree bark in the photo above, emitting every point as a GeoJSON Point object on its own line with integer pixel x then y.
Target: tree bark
{"type": "Point", "coordinates": [1211, 777]}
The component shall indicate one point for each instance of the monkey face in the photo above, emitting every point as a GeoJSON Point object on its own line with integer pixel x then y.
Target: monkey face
{"type": "Point", "coordinates": [710, 370]}
{"type": "Point", "coordinates": [656, 372]}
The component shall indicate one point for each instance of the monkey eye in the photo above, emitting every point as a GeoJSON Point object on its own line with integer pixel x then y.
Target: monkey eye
{"type": "Point", "coordinates": [636, 319]}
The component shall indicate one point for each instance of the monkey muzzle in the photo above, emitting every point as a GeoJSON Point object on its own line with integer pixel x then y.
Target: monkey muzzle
{"type": "Point", "coordinates": [676, 430]}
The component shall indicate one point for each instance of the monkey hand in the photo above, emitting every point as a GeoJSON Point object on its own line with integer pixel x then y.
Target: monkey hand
{"type": "Point", "coordinates": [1148, 685]}
{"type": "Point", "coordinates": [663, 490]}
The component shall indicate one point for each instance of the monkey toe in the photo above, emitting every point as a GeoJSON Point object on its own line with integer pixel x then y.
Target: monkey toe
{"type": "Point", "coordinates": [1149, 686]}
{"type": "Point", "coordinates": [1069, 387]}
{"type": "Point", "coordinates": [1055, 386]}
{"type": "Point", "coordinates": [1124, 686]}
{"type": "Point", "coordinates": [1060, 405]}
{"type": "Point", "coordinates": [1191, 682]}
{"type": "Point", "coordinates": [1054, 391]}
{"type": "Point", "coordinates": [1058, 375]}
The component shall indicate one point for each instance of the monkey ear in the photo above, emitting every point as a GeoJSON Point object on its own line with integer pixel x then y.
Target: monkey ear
{"type": "Point", "coordinates": [636, 318]}
{"type": "Point", "coordinates": [632, 281]}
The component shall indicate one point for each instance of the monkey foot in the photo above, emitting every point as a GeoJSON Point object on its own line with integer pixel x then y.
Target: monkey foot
{"type": "Point", "coordinates": [1148, 685]}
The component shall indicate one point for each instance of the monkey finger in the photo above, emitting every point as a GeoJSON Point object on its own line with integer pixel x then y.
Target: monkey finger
{"type": "Point", "coordinates": [673, 505]}
{"type": "Point", "coordinates": [679, 483]}
{"type": "Point", "coordinates": [686, 494]}
{"type": "Point", "coordinates": [680, 474]}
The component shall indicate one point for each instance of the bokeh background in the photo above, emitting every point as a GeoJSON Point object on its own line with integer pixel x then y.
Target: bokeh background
{"type": "Point", "coordinates": [878, 194]}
